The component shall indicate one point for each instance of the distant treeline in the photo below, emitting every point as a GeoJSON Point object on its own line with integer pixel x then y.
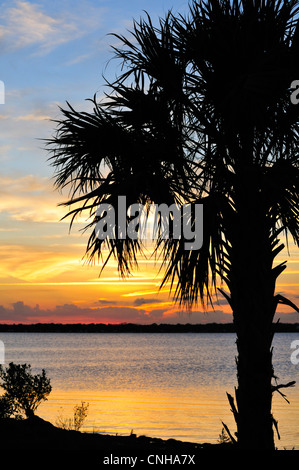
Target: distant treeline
{"type": "Point", "coordinates": [133, 328]}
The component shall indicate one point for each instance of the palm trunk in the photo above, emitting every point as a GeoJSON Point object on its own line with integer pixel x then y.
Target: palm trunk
{"type": "Point", "coordinates": [254, 394]}
{"type": "Point", "coordinates": [252, 286]}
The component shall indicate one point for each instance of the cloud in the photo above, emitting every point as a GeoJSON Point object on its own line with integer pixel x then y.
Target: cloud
{"type": "Point", "coordinates": [141, 301]}
{"type": "Point", "coordinates": [25, 24]}
{"type": "Point", "coordinates": [32, 198]}
{"type": "Point", "coordinates": [69, 313]}
{"type": "Point", "coordinates": [4, 152]}
{"type": "Point", "coordinates": [33, 117]}
{"type": "Point", "coordinates": [28, 198]}
{"type": "Point", "coordinates": [80, 58]}
{"type": "Point", "coordinates": [106, 302]}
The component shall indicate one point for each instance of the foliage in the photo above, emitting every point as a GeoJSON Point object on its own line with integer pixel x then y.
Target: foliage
{"type": "Point", "coordinates": [200, 113]}
{"type": "Point", "coordinates": [23, 390]}
{"type": "Point", "coordinates": [6, 407]}
{"type": "Point", "coordinates": [76, 422]}
{"type": "Point", "coordinates": [80, 414]}
{"type": "Point", "coordinates": [223, 437]}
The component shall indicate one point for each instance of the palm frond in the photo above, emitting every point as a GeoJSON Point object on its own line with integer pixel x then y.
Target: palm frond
{"type": "Point", "coordinates": [195, 271]}
{"type": "Point", "coordinates": [201, 104]}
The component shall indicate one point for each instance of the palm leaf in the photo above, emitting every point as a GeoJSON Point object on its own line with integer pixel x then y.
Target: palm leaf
{"type": "Point", "coordinates": [201, 105]}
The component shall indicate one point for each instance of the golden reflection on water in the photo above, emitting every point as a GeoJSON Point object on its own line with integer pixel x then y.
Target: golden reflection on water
{"type": "Point", "coordinates": [159, 385]}
{"type": "Point", "coordinates": [194, 416]}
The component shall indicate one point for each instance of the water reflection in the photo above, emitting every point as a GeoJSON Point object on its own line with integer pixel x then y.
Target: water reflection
{"type": "Point", "coordinates": [162, 385]}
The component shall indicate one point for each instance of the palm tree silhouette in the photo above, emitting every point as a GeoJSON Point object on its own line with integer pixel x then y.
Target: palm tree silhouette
{"type": "Point", "coordinates": [201, 113]}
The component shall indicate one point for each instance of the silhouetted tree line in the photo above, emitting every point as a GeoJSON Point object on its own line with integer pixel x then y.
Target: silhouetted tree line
{"type": "Point", "coordinates": [134, 328]}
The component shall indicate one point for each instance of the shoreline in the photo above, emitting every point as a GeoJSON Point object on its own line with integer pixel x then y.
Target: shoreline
{"type": "Point", "coordinates": [37, 433]}
{"type": "Point", "coordinates": [133, 328]}
{"type": "Point", "coordinates": [35, 439]}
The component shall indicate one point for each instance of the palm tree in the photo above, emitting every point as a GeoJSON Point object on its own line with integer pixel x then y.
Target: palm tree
{"type": "Point", "coordinates": [201, 113]}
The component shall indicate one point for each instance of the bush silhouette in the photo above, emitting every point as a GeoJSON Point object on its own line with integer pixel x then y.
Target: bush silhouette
{"type": "Point", "coordinates": [23, 390]}
{"type": "Point", "coordinates": [6, 407]}
{"type": "Point", "coordinates": [75, 423]}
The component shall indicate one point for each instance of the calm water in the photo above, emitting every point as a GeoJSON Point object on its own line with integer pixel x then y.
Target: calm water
{"type": "Point", "coordinates": [161, 385]}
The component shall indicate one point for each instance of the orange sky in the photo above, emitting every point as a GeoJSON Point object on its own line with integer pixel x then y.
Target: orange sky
{"type": "Point", "coordinates": [43, 277]}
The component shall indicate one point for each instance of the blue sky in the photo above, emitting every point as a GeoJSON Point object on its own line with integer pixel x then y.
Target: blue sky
{"type": "Point", "coordinates": [53, 51]}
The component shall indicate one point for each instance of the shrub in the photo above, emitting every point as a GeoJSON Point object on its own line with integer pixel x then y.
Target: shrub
{"type": "Point", "coordinates": [75, 423]}
{"type": "Point", "coordinates": [224, 437]}
{"type": "Point", "coordinates": [24, 390]}
{"type": "Point", "coordinates": [6, 407]}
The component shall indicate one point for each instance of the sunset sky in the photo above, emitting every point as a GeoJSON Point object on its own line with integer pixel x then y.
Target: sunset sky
{"type": "Point", "coordinates": [53, 52]}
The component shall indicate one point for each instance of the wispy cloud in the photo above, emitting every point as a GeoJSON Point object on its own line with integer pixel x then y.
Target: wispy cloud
{"type": "Point", "coordinates": [80, 58]}
{"type": "Point", "coordinates": [29, 198]}
{"type": "Point", "coordinates": [141, 301]}
{"type": "Point", "coordinates": [32, 199]}
{"type": "Point", "coordinates": [25, 24]}
{"type": "Point", "coordinates": [33, 117]}
{"type": "Point", "coordinates": [105, 302]}
{"type": "Point", "coordinates": [4, 149]}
